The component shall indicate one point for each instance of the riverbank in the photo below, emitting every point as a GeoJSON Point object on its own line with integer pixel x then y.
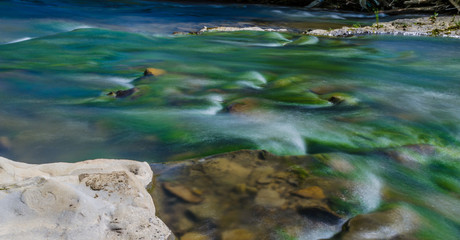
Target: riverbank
{"type": "Point", "coordinates": [445, 26]}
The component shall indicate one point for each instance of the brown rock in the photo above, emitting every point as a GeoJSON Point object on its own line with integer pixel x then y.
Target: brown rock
{"type": "Point", "coordinates": [5, 143]}
{"type": "Point", "coordinates": [194, 236]}
{"type": "Point", "coordinates": [225, 172]}
{"type": "Point", "coordinates": [314, 192]}
{"type": "Point", "coordinates": [182, 192]}
{"type": "Point", "coordinates": [154, 72]}
{"type": "Point", "coordinates": [269, 198]}
{"type": "Point", "coordinates": [264, 180]}
{"type": "Point", "coordinates": [238, 234]}
{"type": "Point", "coordinates": [123, 93]}
{"type": "Point", "coordinates": [318, 210]}
{"type": "Point", "coordinates": [243, 105]}
{"type": "Point", "coordinates": [390, 224]}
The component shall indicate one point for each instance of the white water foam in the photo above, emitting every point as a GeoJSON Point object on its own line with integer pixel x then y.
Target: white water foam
{"type": "Point", "coordinates": [19, 40]}
{"type": "Point", "coordinates": [368, 192]}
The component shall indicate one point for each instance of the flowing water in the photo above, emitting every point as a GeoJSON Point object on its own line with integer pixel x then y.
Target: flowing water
{"type": "Point", "coordinates": [283, 92]}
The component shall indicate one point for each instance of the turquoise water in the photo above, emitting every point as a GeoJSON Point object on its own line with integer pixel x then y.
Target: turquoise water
{"type": "Point", "coordinates": [56, 69]}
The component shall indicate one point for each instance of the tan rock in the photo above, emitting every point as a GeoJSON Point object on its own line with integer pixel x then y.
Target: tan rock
{"type": "Point", "coordinates": [194, 236]}
{"type": "Point", "coordinates": [225, 172]}
{"type": "Point", "coordinates": [314, 192]}
{"type": "Point", "coordinates": [269, 198]}
{"type": "Point", "coordinates": [154, 72]}
{"type": "Point", "coordinates": [182, 192]}
{"type": "Point", "coordinates": [238, 234]}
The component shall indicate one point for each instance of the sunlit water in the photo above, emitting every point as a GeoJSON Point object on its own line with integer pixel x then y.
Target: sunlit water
{"type": "Point", "coordinates": [58, 61]}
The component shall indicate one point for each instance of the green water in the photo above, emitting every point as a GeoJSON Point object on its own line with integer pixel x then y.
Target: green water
{"type": "Point", "coordinates": [395, 92]}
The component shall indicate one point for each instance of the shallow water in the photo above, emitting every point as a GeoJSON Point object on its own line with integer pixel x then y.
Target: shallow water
{"type": "Point", "coordinates": [58, 61]}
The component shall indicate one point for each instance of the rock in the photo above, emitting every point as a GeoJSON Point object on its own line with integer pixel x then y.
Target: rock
{"type": "Point", "coordinates": [314, 192]}
{"type": "Point", "coordinates": [242, 106]}
{"type": "Point", "coordinates": [153, 72]}
{"type": "Point", "coordinates": [225, 172]}
{"type": "Point", "coordinates": [182, 192]}
{"type": "Point", "coordinates": [95, 199]}
{"type": "Point", "coordinates": [210, 209]}
{"type": "Point", "coordinates": [259, 173]}
{"type": "Point", "coordinates": [264, 180]}
{"type": "Point", "coordinates": [318, 210]}
{"type": "Point", "coordinates": [269, 198]}
{"type": "Point", "coordinates": [445, 26]}
{"type": "Point", "coordinates": [238, 234]}
{"type": "Point", "coordinates": [123, 93]}
{"type": "Point", "coordinates": [194, 236]}
{"type": "Point", "coordinates": [389, 224]}
{"type": "Point", "coordinates": [5, 143]}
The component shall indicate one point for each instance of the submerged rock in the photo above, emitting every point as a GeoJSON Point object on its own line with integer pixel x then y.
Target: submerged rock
{"type": "Point", "coordinates": [269, 198]}
{"type": "Point", "coordinates": [238, 234]}
{"type": "Point", "coordinates": [182, 192]}
{"type": "Point", "coordinates": [249, 188]}
{"type": "Point", "coordinates": [390, 224]}
{"type": "Point", "coordinates": [314, 192]}
{"type": "Point", "coordinates": [95, 199]}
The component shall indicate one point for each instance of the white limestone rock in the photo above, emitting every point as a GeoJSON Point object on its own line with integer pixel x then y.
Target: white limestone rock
{"type": "Point", "coordinates": [94, 199]}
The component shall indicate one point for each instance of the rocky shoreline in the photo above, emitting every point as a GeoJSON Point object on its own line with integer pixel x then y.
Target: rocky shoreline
{"type": "Point", "coordinates": [445, 26]}
{"type": "Point", "coordinates": [94, 199]}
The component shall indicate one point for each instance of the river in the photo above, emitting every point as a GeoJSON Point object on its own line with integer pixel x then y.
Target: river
{"type": "Point", "coordinates": [287, 93]}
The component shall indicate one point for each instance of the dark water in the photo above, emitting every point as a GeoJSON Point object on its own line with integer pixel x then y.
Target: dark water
{"type": "Point", "coordinates": [59, 59]}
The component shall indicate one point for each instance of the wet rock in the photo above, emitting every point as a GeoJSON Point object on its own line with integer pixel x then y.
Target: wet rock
{"type": "Point", "coordinates": [209, 209]}
{"type": "Point", "coordinates": [238, 234]}
{"type": "Point", "coordinates": [264, 180]}
{"type": "Point", "coordinates": [314, 192]}
{"type": "Point", "coordinates": [317, 209]}
{"type": "Point", "coordinates": [225, 172]}
{"type": "Point", "coordinates": [259, 173]}
{"type": "Point", "coordinates": [269, 198]}
{"type": "Point", "coordinates": [389, 224]}
{"type": "Point", "coordinates": [194, 236]}
{"type": "Point", "coordinates": [153, 72]}
{"type": "Point", "coordinates": [182, 192]}
{"type": "Point", "coordinates": [241, 106]}
{"type": "Point", "coordinates": [123, 93]}
{"type": "Point", "coordinates": [5, 143]}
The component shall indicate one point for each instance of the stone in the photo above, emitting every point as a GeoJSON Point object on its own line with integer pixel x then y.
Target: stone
{"type": "Point", "coordinates": [123, 93]}
{"type": "Point", "coordinates": [264, 180]}
{"type": "Point", "coordinates": [238, 234]}
{"type": "Point", "coordinates": [314, 192]}
{"type": "Point", "coordinates": [5, 143]}
{"type": "Point", "coordinates": [389, 224]}
{"type": "Point", "coordinates": [225, 172]}
{"type": "Point", "coordinates": [94, 199]}
{"type": "Point", "coordinates": [209, 209]}
{"type": "Point", "coordinates": [153, 72]}
{"type": "Point", "coordinates": [194, 236]}
{"type": "Point", "coordinates": [261, 172]}
{"type": "Point", "coordinates": [182, 192]}
{"type": "Point", "coordinates": [317, 210]}
{"type": "Point", "coordinates": [242, 106]}
{"type": "Point", "coordinates": [269, 198]}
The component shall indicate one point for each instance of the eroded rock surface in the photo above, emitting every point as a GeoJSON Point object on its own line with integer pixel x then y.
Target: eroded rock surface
{"type": "Point", "coordinates": [95, 199]}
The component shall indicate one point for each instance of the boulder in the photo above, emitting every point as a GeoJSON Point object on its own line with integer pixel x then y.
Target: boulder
{"type": "Point", "coordinates": [395, 223]}
{"type": "Point", "coordinates": [95, 199]}
{"type": "Point", "coordinates": [153, 72]}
